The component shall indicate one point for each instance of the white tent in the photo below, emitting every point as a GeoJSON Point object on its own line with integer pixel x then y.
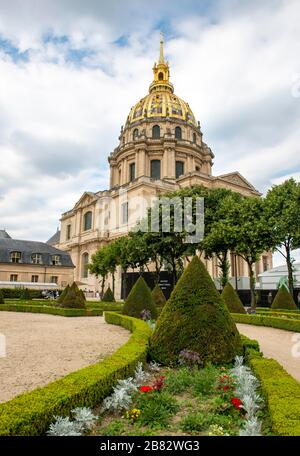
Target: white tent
{"type": "Point", "coordinates": [270, 279]}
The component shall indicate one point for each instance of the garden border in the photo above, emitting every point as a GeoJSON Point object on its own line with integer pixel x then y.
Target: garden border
{"type": "Point", "coordinates": [64, 312]}
{"type": "Point", "coordinates": [281, 391]}
{"type": "Point", "coordinates": [263, 320]}
{"type": "Point", "coordinates": [31, 413]}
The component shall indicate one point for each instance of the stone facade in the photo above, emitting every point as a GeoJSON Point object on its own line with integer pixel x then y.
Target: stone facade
{"type": "Point", "coordinates": [160, 149]}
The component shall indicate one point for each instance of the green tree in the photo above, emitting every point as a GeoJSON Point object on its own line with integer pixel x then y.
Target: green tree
{"type": "Point", "coordinates": [100, 265]}
{"type": "Point", "coordinates": [282, 213]}
{"type": "Point", "coordinates": [251, 235]}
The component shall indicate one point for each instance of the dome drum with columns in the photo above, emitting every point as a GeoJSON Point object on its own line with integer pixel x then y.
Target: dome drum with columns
{"type": "Point", "coordinates": [160, 149]}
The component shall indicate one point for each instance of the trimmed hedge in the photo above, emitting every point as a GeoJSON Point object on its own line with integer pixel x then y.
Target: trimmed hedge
{"type": "Point", "coordinates": [158, 297]}
{"type": "Point", "coordinates": [52, 310]}
{"type": "Point", "coordinates": [282, 394]}
{"type": "Point", "coordinates": [273, 322]}
{"type": "Point", "coordinates": [280, 390]}
{"type": "Point", "coordinates": [284, 300]}
{"type": "Point", "coordinates": [1, 297]}
{"type": "Point", "coordinates": [232, 299]}
{"type": "Point", "coordinates": [15, 293]}
{"type": "Point", "coordinates": [195, 318]}
{"type": "Point", "coordinates": [108, 296]}
{"type": "Point", "coordinates": [139, 299]}
{"type": "Point", "coordinates": [31, 413]}
{"type": "Point", "coordinates": [290, 314]}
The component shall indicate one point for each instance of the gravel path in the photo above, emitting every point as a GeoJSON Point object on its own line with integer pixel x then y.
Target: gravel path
{"type": "Point", "coordinates": [41, 348]}
{"type": "Point", "coordinates": [276, 344]}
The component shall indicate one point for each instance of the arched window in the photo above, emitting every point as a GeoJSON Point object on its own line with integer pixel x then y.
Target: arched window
{"type": "Point", "coordinates": [178, 133]}
{"type": "Point", "coordinates": [36, 258]}
{"type": "Point", "coordinates": [179, 169]}
{"type": "Point", "coordinates": [135, 133]}
{"type": "Point", "coordinates": [194, 138]}
{"type": "Point", "coordinates": [155, 169]}
{"type": "Point", "coordinates": [156, 132]}
{"type": "Point", "coordinates": [160, 76]}
{"type": "Point", "coordinates": [87, 221]}
{"type": "Point", "coordinates": [132, 171]}
{"type": "Point", "coordinates": [84, 266]}
{"type": "Point", "coordinates": [15, 257]}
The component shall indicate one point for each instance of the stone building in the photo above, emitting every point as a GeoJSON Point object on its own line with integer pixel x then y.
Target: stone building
{"type": "Point", "coordinates": [160, 149]}
{"type": "Point", "coordinates": [33, 264]}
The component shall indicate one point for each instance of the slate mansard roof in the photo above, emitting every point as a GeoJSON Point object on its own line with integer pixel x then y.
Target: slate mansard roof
{"type": "Point", "coordinates": [28, 248]}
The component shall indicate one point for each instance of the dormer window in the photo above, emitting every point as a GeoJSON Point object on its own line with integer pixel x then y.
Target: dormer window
{"type": "Point", "coordinates": [55, 260]}
{"type": "Point", "coordinates": [36, 258]}
{"type": "Point", "coordinates": [15, 257]}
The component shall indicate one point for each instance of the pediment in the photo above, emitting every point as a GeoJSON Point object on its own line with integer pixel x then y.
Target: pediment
{"type": "Point", "coordinates": [237, 179]}
{"type": "Point", "coordinates": [86, 199]}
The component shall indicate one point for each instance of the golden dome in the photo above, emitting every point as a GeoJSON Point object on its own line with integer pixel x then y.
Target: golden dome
{"type": "Point", "coordinates": [161, 102]}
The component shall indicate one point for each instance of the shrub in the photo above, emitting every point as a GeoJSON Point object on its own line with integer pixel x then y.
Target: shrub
{"type": "Point", "coordinates": [63, 294]}
{"type": "Point", "coordinates": [195, 318]}
{"type": "Point", "coordinates": [15, 293]}
{"type": "Point", "coordinates": [32, 413]}
{"type": "Point", "coordinates": [264, 320]}
{"type": "Point", "coordinates": [158, 296]}
{"type": "Point", "coordinates": [156, 408]}
{"type": "Point", "coordinates": [139, 299]}
{"type": "Point", "coordinates": [74, 298]}
{"type": "Point", "coordinates": [1, 297]}
{"type": "Point", "coordinates": [232, 299]}
{"type": "Point", "coordinates": [108, 296]}
{"type": "Point", "coordinates": [25, 295]}
{"type": "Point", "coordinates": [284, 300]}
{"type": "Point", "coordinates": [52, 310]}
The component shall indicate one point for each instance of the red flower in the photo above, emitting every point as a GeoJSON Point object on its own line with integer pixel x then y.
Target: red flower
{"type": "Point", "coordinates": [146, 389]}
{"type": "Point", "coordinates": [159, 383]}
{"type": "Point", "coordinates": [236, 402]}
{"type": "Point", "coordinates": [225, 388]}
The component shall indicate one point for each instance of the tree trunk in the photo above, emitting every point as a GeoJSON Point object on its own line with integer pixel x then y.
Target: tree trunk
{"type": "Point", "coordinates": [102, 286]}
{"type": "Point", "coordinates": [224, 267]}
{"type": "Point", "coordinates": [113, 282]}
{"type": "Point", "coordinates": [252, 285]}
{"type": "Point", "coordinates": [289, 264]}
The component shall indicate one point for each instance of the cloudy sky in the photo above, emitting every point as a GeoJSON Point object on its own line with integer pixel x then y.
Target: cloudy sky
{"type": "Point", "coordinates": [71, 69]}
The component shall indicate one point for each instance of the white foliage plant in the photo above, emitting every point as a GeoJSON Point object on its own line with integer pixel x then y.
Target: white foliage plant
{"type": "Point", "coordinates": [246, 389]}
{"type": "Point", "coordinates": [84, 419]}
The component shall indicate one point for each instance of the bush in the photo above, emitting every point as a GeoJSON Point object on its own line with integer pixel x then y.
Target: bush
{"type": "Point", "coordinates": [284, 300]}
{"type": "Point", "coordinates": [282, 394]}
{"type": "Point", "coordinates": [71, 312]}
{"type": "Point", "coordinates": [158, 296]}
{"type": "Point", "coordinates": [232, 300]}
{"type": "Point", "coordinates": [108, 296]}
{"type": "Point", "coordinates": [63, 294]}
{"type": "Point", "coordinates": [74, 298]}
{"type": "Point", "coordinates": [15, 293]}
{"type": "Point", "coordinates": [1, 297]}
{"type": "Point", "coordinates": [25, 295]}
{"type": "Point", "coordinates": [139, 299]}
{"type": "Point", "coordinates": [264, 320]}
{"type": "Point", "coordinates": [31, 413]}
{"type": "Point", "coordinates": [195, 318]}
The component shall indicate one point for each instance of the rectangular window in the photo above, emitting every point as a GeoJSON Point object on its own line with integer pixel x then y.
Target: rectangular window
{"type": "Point", "coordinates": [54, 279]}
{"type": "Point", "coordinates": [132, 171]}
{"type": "Point", "coordinates": [265, 263]}
{"type": "Point", "coordinates": [13, 277]}
{"type": "Point", "coordinates": [36, 258]}
{"type": "Point", "coordinates": [155, 169]}
{"type": "Point", "coordinates": [179, 169]}
{"type": "Point", "coordinates": [35, 278]}
{"type": "Point", "coordinates": [15, 257]}
{"type": "Point", "coordinates": [68, 232]}
{"type": "Point", "coordinates": [124, 209]}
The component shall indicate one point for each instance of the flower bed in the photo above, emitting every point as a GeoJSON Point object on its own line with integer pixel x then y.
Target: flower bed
{"type": "Point", "coordinates": [31, 413]}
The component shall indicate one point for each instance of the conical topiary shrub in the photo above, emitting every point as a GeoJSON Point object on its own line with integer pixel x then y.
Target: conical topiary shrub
{"type": "Point", "coordinates": [108, 296]}
{"type": "Point", "coordinates": [283, 300]}
{"type": "Point", "coordinates": [232, 299]}
{"type": "Point", "coordinates": [139, 299]}
{"type": "Point", "coordinates": [74, 298]}
{"type": "Point", "coordinates": [195, 318]}
{"type": "Point", "coordinates": [63, 294]}
{"type": "Point", "coordinates": [158, 296]}
{"type": "Point", "coordinates": [1, 297]}
{"type": "Point", "coordinates": [25, 295]}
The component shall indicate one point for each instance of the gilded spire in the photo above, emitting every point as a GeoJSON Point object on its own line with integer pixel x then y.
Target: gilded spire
{"type": "Point", "coordinates": [161, 52]}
